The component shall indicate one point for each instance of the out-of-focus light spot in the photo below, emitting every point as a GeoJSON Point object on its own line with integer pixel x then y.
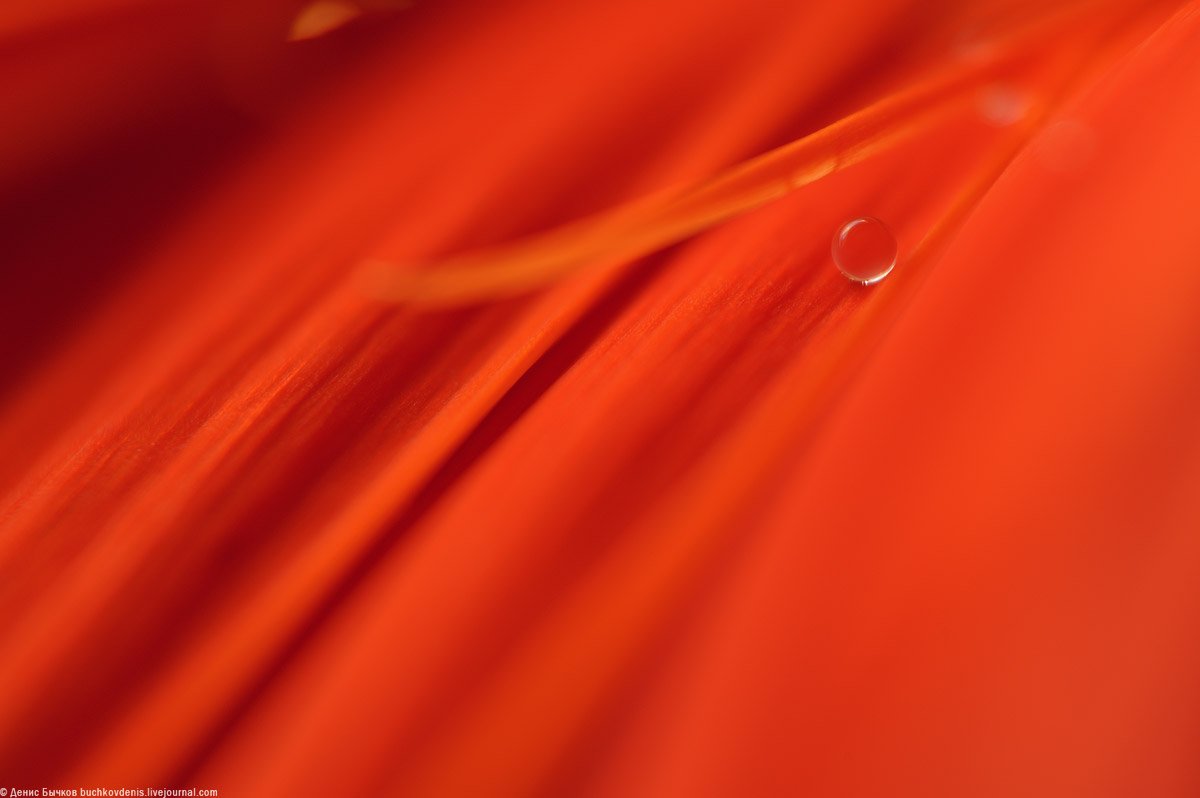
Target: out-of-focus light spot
{"type": "Point", "coordinates": [1002, 105]}
{"type": "Point", "coordinates": [323, 16]}
{"type": "Point", "coordinates": [1066, 147]}
{"type": "Point", "coordinates": [972, 45]}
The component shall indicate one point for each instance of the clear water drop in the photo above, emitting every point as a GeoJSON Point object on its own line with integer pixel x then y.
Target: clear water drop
{"type": "Point", "coordinates": [865, 250]}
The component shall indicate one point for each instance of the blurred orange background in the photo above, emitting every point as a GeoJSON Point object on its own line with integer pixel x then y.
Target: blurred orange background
{"type": "Point", "coordinates": [449, 398]}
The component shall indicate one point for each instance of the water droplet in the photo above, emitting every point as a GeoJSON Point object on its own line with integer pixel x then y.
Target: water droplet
{"type": "Point", "coordinates": [865, 250]}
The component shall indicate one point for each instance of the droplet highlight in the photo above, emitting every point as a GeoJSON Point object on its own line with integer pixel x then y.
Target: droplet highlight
{"type": "Point", "coordinates": [865, 250]}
